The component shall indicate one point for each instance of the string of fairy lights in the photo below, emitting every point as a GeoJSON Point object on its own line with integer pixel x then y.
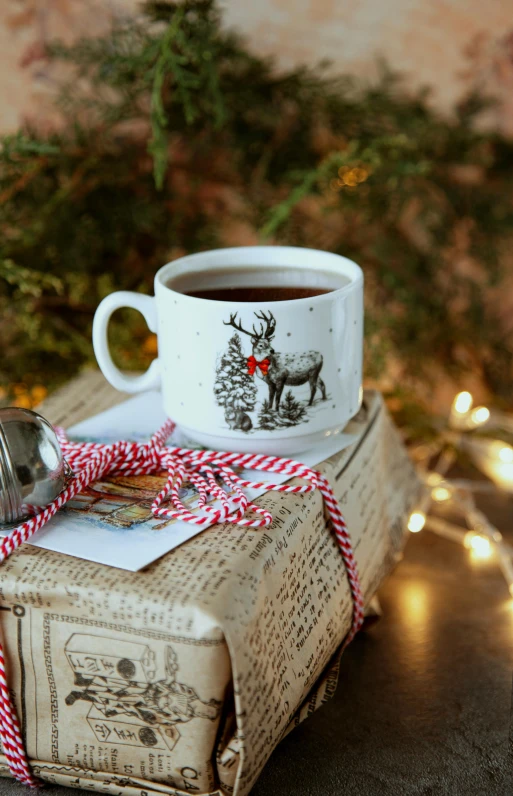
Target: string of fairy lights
{"type": "Point", "coordinates": [492, 456]}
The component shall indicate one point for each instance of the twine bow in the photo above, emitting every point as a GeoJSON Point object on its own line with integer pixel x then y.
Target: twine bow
{"type": "Point", "coordinates": [213, 475]}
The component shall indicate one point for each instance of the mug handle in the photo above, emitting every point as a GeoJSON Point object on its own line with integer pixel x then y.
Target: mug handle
{"type": "Point", "coordinates": [147, 307]}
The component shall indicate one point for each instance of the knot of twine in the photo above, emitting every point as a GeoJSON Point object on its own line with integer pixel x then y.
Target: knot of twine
{"type": "Point", "coordinates": [213, 476]}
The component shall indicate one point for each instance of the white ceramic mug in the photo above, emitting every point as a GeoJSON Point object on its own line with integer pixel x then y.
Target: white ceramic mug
{"type": "Point", "coordinates": [267, 377]}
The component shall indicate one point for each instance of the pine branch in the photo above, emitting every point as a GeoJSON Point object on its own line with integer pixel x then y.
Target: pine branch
{"type": "Point", "coordinates": [27, 281]}
{"type": "Point", "coordinates": [178, 62]}
{"type": "Point", "coordinates": [20, 145]}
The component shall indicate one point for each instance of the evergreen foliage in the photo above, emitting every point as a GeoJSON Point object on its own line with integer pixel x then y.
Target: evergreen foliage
{"type": "Point", "coordinates": [267, 419]}
{"type": "Point", "coordinates": [178, 138]}
{"type": "Point", "coordinates": [292, 412]}
{"type": "Point", "coordinates": [233, 385]}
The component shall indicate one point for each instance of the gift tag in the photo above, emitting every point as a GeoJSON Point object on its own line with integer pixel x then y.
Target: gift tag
{"type": "Point", "coordinates": [111, 521]}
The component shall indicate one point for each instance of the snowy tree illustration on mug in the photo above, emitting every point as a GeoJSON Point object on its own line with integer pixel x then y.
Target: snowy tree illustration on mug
{"type": "Point", "coordinates": [235, 388]}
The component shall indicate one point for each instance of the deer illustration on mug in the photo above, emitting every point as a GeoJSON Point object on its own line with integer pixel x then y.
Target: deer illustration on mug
{"type": "Point", "coordinates": [279, 369]}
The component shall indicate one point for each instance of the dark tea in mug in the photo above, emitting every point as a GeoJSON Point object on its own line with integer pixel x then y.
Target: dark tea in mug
{"type": "Point", "coordinates": [255, 285]}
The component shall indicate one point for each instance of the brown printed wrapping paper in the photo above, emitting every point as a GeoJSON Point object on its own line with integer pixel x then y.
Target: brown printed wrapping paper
{"type": "Point", "coordinates": [183, 677]}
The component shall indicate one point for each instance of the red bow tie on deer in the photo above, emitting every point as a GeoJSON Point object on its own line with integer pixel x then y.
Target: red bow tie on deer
{"type": "Point", "coordinates": [253, 364]}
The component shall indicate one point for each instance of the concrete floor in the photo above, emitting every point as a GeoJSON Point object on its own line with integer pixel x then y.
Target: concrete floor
{"type": "Point", "coordinates": [424, 700]}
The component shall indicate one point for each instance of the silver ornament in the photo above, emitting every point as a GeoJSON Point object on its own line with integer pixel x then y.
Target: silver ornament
{"type": "Point", "coordinates": [32, 469]}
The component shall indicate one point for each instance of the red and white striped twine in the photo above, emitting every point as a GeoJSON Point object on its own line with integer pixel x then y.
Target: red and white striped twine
{"type": "Point", "coordinates": [213, 476]}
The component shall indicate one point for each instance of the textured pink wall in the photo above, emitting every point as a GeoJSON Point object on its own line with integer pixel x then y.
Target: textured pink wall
{"type": "Point", "coordinates": [445, 43]}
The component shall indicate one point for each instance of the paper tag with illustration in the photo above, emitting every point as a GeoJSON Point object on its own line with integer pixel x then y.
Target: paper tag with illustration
{"type": "Point", "coordinates": [111, 521]}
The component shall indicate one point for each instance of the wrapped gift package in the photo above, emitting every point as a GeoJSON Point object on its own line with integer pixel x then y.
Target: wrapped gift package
{"type": "Point", "coordinates": [183, 677]}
